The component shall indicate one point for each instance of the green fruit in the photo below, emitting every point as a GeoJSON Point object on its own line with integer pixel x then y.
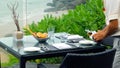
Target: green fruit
{"type": "Point", "coordinates": [37, 61]}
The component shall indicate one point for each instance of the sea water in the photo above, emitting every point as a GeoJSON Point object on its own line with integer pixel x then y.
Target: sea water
{"type": "Point", "coordinates": [26, 9]}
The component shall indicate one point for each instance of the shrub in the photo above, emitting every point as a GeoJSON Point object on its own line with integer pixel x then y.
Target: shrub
{"type": "Point", "coordinates": [84, 16]}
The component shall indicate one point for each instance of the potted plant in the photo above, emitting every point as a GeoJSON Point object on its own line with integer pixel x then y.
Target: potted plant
{"type": "Point", "coordinates": [13, 7]}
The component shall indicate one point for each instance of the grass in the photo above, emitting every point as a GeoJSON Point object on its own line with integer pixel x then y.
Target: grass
{"type": "Point", "coordinates": [11, 62]}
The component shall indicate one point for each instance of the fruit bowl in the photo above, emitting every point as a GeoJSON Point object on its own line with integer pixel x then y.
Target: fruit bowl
{"type": "Point", "coordinates": [41, 37]}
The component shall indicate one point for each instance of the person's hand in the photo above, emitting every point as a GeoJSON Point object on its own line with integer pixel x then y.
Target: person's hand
{"type": "Point", "coordinates": [100, 35]}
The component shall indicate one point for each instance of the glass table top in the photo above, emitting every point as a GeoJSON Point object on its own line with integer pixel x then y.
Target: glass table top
{"type": "Point", "coordinates": [30, 41]}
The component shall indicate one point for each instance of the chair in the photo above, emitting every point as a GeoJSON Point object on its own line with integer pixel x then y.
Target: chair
{"type": "Point", "coordinates": [93, 60]}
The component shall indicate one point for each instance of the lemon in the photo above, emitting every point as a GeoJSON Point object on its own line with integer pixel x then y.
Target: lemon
{"type": "Point", "coordinates": [39, 34]}
{"type": "Point", "coordinates": [37, 61]}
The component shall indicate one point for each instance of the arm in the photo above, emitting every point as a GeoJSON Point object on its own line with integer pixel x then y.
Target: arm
{"type": "Point", "coordinates": [112, 16]}
{"type": "Point", "coordinates": [112, 27]}
{"type": "Point", "coordinates": [108, 30]}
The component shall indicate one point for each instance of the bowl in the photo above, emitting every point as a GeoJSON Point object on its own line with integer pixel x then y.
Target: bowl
{"type": "Point", "coordinates": [41, 39]}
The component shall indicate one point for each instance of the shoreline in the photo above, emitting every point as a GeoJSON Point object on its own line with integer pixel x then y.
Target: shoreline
{"type": "Point", "coordinates": [8, 29]}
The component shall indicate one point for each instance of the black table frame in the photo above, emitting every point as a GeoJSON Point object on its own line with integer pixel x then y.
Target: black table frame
{"type": "Point", "coordinates": [48, 54]}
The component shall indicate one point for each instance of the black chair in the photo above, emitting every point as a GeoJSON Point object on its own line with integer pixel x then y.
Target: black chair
{"type": "Point", "coordinates": [93, 60]}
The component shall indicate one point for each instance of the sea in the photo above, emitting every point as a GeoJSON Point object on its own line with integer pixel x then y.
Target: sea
{"type": "Point", "coordinates": [28, 11]}
{"type": "Point", "coordinates": [25, 9]}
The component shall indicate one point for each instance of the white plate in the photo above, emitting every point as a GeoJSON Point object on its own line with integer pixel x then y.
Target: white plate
{"type": "Point", "coordinates": [31, 49]}
{"type": "Point", "coordinates": [87, 42]}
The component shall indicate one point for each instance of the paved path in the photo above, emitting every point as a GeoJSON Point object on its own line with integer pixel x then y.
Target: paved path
{"type": "Point", "coordinates": [4, 56]}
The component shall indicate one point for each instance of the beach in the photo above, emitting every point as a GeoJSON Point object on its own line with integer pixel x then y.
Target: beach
{"type": "Point", "coordinates": [31, 10]}
{"type": "Point", "coordinates": [7, 29]}
{"type": "Point", "coordinates": [35, 11]}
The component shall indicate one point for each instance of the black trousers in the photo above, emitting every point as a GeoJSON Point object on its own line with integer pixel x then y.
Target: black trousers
{"type": "Point", "coordinates": [107, 41]}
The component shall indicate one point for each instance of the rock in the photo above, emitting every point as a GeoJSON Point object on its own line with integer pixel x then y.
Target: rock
{"type": "Point", "coordinates": [64, 8]}
{"type": "Point", "coordinates": [65, 4]}
{"type": "Point", "coordinates": [50, 4]}
{"type": "Point", "coordinates": [59, 5]}
{"type": "Point", "coordinates": [51, 10]}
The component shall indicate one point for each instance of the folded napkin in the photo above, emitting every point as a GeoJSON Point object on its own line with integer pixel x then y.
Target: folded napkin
{"type": "Point", "coordinates": [31, 49]}
{"type": "Point", "coordinates": [61, 35]}
{"type": "Point", "coordinates": [61, 45]}
{"type": "Point", "coordinates": [73, 37]}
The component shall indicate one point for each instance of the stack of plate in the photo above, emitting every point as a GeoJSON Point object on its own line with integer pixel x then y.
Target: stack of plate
{"type": "Point", "coordinates": [87, 42]}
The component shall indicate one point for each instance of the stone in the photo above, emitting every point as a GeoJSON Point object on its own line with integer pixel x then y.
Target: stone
{"type": "Point", "coordinates": [65, 4]}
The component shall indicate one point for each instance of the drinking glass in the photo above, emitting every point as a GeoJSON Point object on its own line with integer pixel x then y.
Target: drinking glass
{"type": "Point", "coordinates": [51, 31]}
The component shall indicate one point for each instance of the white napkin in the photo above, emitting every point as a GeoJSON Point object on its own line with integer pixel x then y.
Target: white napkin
{"type": "Point", "coordinates": [61, 45]}
{"type": "Point", "coordinates": [74, 37]}
{"type": "Point", "coordinates": [31, 49]}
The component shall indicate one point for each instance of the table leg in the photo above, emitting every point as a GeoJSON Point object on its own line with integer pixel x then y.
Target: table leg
{"type": "Point", "coordinates": [22, 63]}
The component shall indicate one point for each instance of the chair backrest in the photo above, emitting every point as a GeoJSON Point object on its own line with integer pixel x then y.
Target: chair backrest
{"type": "Point", "coordinates": [93, 60]}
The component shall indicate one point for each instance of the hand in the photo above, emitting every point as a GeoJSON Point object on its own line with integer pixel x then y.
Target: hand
{"type": "Point", "coordinates": [100, 35]}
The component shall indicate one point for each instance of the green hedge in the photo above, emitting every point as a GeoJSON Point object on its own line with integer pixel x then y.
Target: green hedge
{"type": "Point", "coordinates": [84, 16]}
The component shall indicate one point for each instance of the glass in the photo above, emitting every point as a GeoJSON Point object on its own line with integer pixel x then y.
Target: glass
{"type": "Point", "coordinates": [63, 40]}
{"type": "Point", "coordinates": [51, 31]}
{"type": "Point", "coordinates": [18, 35]}
{"type": "Point", "coordinates": [90, 33]}
{"type": "Point", "coordinates": [18, 45]}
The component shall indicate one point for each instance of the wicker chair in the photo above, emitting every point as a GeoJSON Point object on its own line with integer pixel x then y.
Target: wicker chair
{"type": "Point", "coordinates": [93, 60]}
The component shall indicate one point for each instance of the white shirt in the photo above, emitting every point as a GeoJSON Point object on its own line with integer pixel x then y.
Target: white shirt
{"type": "Point", "coordinates": [112, 11]}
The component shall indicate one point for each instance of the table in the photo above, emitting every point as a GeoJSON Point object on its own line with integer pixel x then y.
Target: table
{"type": "Point", "coordinates": [16, 49]}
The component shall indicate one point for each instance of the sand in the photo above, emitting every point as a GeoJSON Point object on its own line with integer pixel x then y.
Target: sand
{"type": "Point", "coordinates": [4, 56]}
{"type": "Point", "coordinates": [7, 29]}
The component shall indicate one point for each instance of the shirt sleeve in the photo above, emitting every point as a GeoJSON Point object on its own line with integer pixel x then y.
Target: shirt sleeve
{"type": "Point", "coordinates": [113, 9]}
